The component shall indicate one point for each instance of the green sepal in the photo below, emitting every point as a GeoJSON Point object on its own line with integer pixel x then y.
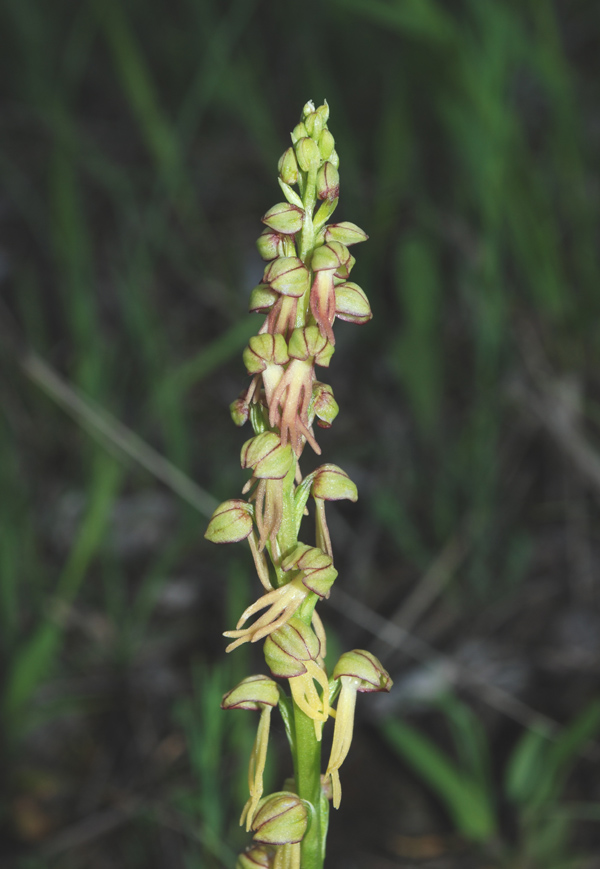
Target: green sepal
{"type": "Point", "coordinates": [346, 232]}
{"type": "Point", "coordinates": [290, 194]}
{"type": "Point", "coordinates": [331, 483]}
{"type": "Point", "coordinates": [299, 132]}
{"type": "Point", "coordinates": [284, 217]}
{"type": "Point", "coordinates": [262, 298]}
{"type": "Point", "coordinates": [231, 522]}
{"type": "Point", "coordinates": [326, 144]}
{"type": "Point", "coordinates": [288, 167]}
{"type": "Point", "coordinates": [307, 154]}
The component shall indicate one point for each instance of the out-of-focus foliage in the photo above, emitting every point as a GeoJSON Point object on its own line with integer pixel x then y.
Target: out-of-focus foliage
{"type": "Point", "coordinates": [137, 142]}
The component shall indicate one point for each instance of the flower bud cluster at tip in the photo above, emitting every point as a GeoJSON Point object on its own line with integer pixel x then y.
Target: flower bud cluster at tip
{"type": "Point", "coordinates": [304, 287]}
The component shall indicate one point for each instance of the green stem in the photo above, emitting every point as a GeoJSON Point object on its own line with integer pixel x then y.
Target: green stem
{"type": "Point", "coordinates": [307, 766]}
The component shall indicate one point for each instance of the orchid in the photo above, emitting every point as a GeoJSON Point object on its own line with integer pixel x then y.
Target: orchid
{"type": "Point", "coordinates": [304, 288]}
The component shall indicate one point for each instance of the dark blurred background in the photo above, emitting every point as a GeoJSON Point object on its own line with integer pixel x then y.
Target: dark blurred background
{"type": "Point", "coordinates": [138, 150]}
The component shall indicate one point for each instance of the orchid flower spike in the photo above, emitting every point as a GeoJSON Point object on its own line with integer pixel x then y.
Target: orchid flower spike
{"type": "Point", "coordinates": [357, 671]}
{"type": "Point", "coordinates": [256, 693]}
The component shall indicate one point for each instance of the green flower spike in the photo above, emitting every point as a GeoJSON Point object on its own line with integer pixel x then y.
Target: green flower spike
{"type": "Point", "coordinates": [304, 288]}
{"type": "Point", "coordinates": [262, 694]}
{"type": "Point", "coordinates": [357, 671]}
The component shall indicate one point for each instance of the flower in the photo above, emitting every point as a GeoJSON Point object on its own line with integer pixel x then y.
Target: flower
{"type": "Point", "coordinates": [294, 652]}
{"type": "Point", "coordinates": [282, 603]}
{"type": "Point", "coordinates": [357, 671]}
{"type": "Point", "coordinates": [256, 693]}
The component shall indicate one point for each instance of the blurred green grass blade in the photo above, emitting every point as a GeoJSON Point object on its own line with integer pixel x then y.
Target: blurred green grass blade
{"type": "Point", "coordinates": [179, 380]}
{"type": "Point", "coordinates": [73, 251]}
{"type": "Point", "coordinates": [422, 19]}
{"type": "Point", "coordinates": [572, 739]}
{"type": "Point", "coordinates": [137, 85]}
{"type": "Point", "coordinates": [219, 39]}
{"type": "Point", "coordinates": [526, 766]}
{"type": "Point", "coordinates": [470, 740]}
{"type": "Point", "coordinates": [464, 799]}
{"type": "Point", "coordinates": [417, 355]}
{"type": "Point", "coordinates": [35, 658]}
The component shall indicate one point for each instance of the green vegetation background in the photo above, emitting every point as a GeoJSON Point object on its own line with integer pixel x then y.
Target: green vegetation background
{"type": "Point", "coordinates": [138, 149]}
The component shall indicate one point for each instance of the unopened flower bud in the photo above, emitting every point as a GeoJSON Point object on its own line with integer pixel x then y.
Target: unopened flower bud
{"type": "Point", "coordinates": [314, 124]}
{"type": "Point", "coordinates": [323, 111]}
{"type": "Point", "coordinates": [281, 820]}
{"type": "Point", "coordinates": [230, 523]}
{"type": "Point", "coordinates": [266, 456]}
{"type": "Point", "coordinates": [253, 693]}
{"type": "Point", "coordinates": [346, 232]}
{"type": "Point", "coordinates": [307, 154]}
{"type": "Point", "coordinates": [334, 159]}
{"type": "Point", "coordinates": [317, 568]}
{"type": "Point", "coordinates": [331, 483]}
{"type": "Point", "coordinates": [299, 132]}
{"type": "Point", "coordinates": [288, 275]}
{"type": "Point", "coordinates": [256, 857]}
{"type": "Point", "coordinates": [239, 410]}
{"type": "Point", "coordinates": [307, 109]}
{"type": "Point", "coordinates": [326, 144]}
{"type": "Point", "coordinates": [264, 350]}
{"type": "Point", "coordinates": [289, 648]}
{"type": "Point", "coordinates": [284, 217]}
{"type": "Point", "coordinates": [325, 406]}
{"type": "Point", "coordinates": [262, 298]}
{"type": "Point", "coordinates": [287, 167]}
{"type": "Point", "coordinates": [334, 255]}
{"type": "Point", "coordinates": [307, 343]}
{"type": "Point", "coordinates": [366, 669]}
{"type": "Point", "coordinates": [328, 182]}
{"type": "Point", "coordinates": [269, 244]}
{"type": "Point", "coordinates": [351, 303]}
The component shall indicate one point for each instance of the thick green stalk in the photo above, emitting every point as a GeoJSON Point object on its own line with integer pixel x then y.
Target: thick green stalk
{"type": "Point", "coordinates": [307, 768]}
